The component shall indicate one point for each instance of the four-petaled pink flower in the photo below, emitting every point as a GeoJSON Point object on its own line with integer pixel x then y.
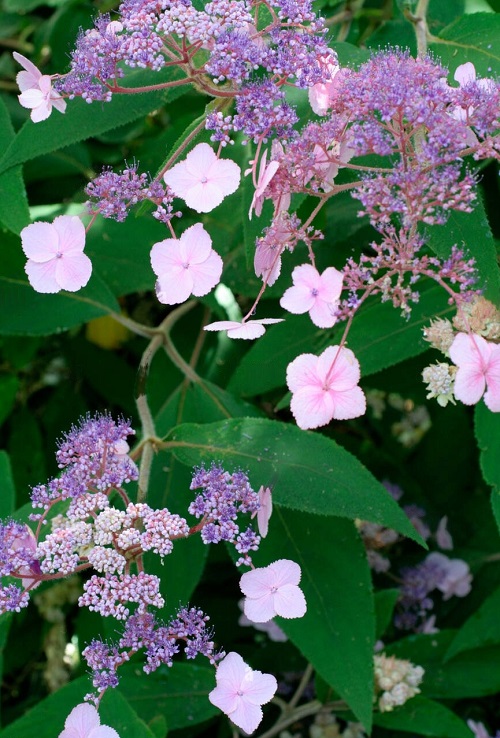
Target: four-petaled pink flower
{"type": "Point", "coordinates": [325, 387]}
{"type": "Point", "coordinates": [266, 173]}
{"type": "Point", "coordinates": [272, 591]}
{"type": "Point", "coordinates": [240, 692]}
{"type": "Point", "coordinates": [55, 255]}
{"type": "Point", "coordinates": [265, 510]}
{"type": "Point", "coordinates": [249, 329]}
{"type": "Point", "coordinates": [36, 91]}
{"type": "Point", "coordinates": [202, 180]}
{"type": "Point", "coordinates": [84, 722]}
{"type": "Point", "coordinates": [185, 266]}
{"type": "Point", "coordinates": [478, 363]}
{"type": "Point", "coordinates": [314, 293]}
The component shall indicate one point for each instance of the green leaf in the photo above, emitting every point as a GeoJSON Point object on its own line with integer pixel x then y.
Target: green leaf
{"type": "Point", "coordinates": [472, 38]}
{"type": "Point", "coordinates": [7, 488]}
{"type": "Point", "coordinates": [474, 673]}
{"type": "Point", "coordinates": [385, 601]}
{"type": "Point", "coordinates": [5, 623]}
{"type": "Point", "coordinates": [179, 694]}
{"type": "Point", "coordinates": [9, 385]}
{"type": "Point", "coordinates": [481, 629]}
{"type": "Point", "coordinates": [423, 717]}
{"type": "Point", "coordinates": [487, 430]}
{"type": "Point", "coordinates": [14, 211]}
{"type": "Point", "coordinates": [472, 231]}
{"type": "Point", "coordinates": [26, 312]}
{"type": "Point", "coordinates": [81, 120]}
{"type": "Point", "coordinates": [46, 720]}
{"type": "Point", "coordinates": [335, 481]}
{"type": "Point", "coordinates": [337, 633]}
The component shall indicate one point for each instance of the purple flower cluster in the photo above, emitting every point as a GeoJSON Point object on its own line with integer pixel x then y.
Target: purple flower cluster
{"type": "Point", "coordinates": [262, 112]}
{"type": "Point", "coordinates": [94, 458]}
{"type": "Point", "coordinates": [160, 642]}
{"type": "Point", "coordinates": [415, 603]}
{"type": "Point", "coordinates": [109, 595]}
{"type": "Point", "coordinates": [114, 193]}
{"type": "Point", "coordinates": [224, 497]}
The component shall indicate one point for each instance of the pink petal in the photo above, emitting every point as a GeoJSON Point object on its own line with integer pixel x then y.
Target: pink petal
{"type": "Point", "coordinates": [312, 407]}
{"type": "Point", "coordinates": [232, 670]}
{"type": "Point", "coordinates": [323, 314]}
{"type": "Point", "coordinates": [58, 102]}
{"type": "Point", "coordinates": [103, 731]}
{"type": "Point", "coordinates": [470, 384]}
{"type": "Point", "coordinates": [319, 99]}
{"type": "Point", "coordinates": [40, 242]}
{"type": "Point", "coordinates": [331, 284]}
{"type": "Point", "coordinates": [165, 256]}
{"type": "Point", "coordinates": [464, 74]}
{"type": "Point", "coordinates": [179, 179]}
{"type": "Point", "coordinates": [225, 174]}
{"type": "Point", "coordinates": [83, 718]}
{"type": "Point", "coordinates": [206, 275]}
{"type": "Point", "coordinates": [258, 688]}
{"type": "Point", "coordinates": [285, 572]}
{"type": "Point", "coordinates": [199, 160]}
{"type": "Point", "coordinates": [257, 582]}
{"type": "Point", "coordinates": [298, 299]}
{"type": "Point", "coordinates": [45, 84]}
{"type": "Point", "coordinates": [339, 367]}
{"type": "Point", "coordinates": [247, 331]}
{"type": "Point", "coordinates": [42, 112]}
{"type": "Point", "coordinates": [203, 197]}
{"type": "Point", "coordinates": [260, 610]}
{"type": "Point", "coordinates": [42, 277]}
{"type": "Point", "coordinates": [32, 98]}
{"type": "Point", "coordinates": [303, 372]}
{"type": "Point", "coordinates": [247, 716]}
{"type": "Point", "coordinates": [289, 602]}
{"type": "Point", "coordinates": [27, 81]}
{"type": "Point", "coordinates": [348, 404]}
{"type": "Point", "coordinates": [27, 65]}
{"type": "Point", "coordinates": [195, 244]}
{"type": "Point", "coordinates": [222, 325]}
{"type": "Point", "coordinates": [492, 394]}
{"type": "Point", "coordinates": [175, 286]}
{"type": "Point", "coordinates": [71, 233]}
{"type": "Point", "coordinates": [224, 697]}
{"type": "Point", "coordinates": [73, 271]}
{"type": "Point", "coordinates": [265, 511]}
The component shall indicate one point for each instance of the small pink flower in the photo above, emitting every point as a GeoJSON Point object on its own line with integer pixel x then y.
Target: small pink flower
{"type": "Point", "coordinates": [36, 91]}
{"type": "Point", "coordinates": [272, 591]}
{"type": "Point", "coordinates": [325, 387]}
{"type": "Point", "coordinates": [249, 329]}
{"type": "Point", "coordinates": [273, 630]}
{"type": "Point", "coordinates": [84, 722]}
{"type": "Point", "coordinates": [185, 266]}
{"type": "Point", "coordinates": [240, 692]}
{"type": "Point", "coordinates": [314, 293]}
{"type": "Point", "coordinates": [478, 364]}
{"type": "Point", "coordinates": [265, 510]}
{"type": "Point", "coordinates": [29, 573]}
{"type": "Point", "coordinates": [322, 94]}
{"type": "Point", "coordinates": [457, 579]}
{"type": "Point", "coordinates": [55, 255]}
{"type": "Point", "coordinates": [202, 180]}
{"type": "Point", "coordinates": [266, 173]}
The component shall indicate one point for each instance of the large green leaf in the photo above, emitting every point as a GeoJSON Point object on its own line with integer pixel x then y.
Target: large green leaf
{"type": "Point", "coordinates": [481, 629]}
{"type": "Point", "coordinates": [474, 673]}
{"type": "Point", "coordinates": [179, 694]}
{"type": "Point", "coordinates": [7, 489]}
{"type": "Point", "coordinates": [487, 430]}
{"type": "Point", "coordinates": [14, 212]}
{"type": "Point", "coordinates": [337, 633]}
{"type": "Point", "coordinates": [311, 472]}
{"type": "Point", "coordinates": [424, 717]}
{"type": "Point", "coordinates": [81, 121]}
{"type": "Point", "coordinates": [471, 38]}
{"type": "Point", "coordinates": [46, 720]}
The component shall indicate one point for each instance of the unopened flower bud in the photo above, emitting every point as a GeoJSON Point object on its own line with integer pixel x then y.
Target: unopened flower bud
{"type": "Point", "coordinates": [440, 335]}
{"type": "Point", "coordinates": [479, 316]}
{"type": "Point", "coordinates": [439, 379]}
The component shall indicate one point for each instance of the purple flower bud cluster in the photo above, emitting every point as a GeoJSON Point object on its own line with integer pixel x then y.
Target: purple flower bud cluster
{"type": "Point", "coordinates": [224, 497]}
{"type": "Point", "coordinates": [262, 112]}
{"type": "Point", "coordinates": [110, 594]}
{"type": "Point", "coordinates": [415, 603]}
{"type": "Point", "coordinates": [160, 642]}
{"type": "Point", "coordinates": [94, 457]}
{"type": "Point", "coordinates": [18, 558]}
{"type": "Point", "coordinates": [114, 193]}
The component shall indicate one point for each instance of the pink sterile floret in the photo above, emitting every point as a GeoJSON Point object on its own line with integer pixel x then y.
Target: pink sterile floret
{"type": "Point", "coordinates": [456, 580]}
{"type": "Point", "coordinates": [265, 510]}
{"type": "Point", "coordinates": [84, 722]}
{"type": "Point", "coordinates": [185, 266]}
{"type": "Point", "coordinates": [202, 180]}
{"type": "Point", "coordinates": [272, 591]}
{"type": "Point", "coordinates": [248, 329]}
{"type": "Point", "coordinates": [55, 255]}
{"type": "Point", "coordinates": [36, 91]}
{"type": "Point", "coordinates": [325, 387]}
{"type": "Point", "coordinates": [240, 691]}
{"type": "Point", "coordinates": [266, 173]}
{"type": "Point", "coordinates": [322, 94]}
{"type": "Point", "coordinates": [478, 363]}
{"type": "Point", "coordinates": [314, 293]}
